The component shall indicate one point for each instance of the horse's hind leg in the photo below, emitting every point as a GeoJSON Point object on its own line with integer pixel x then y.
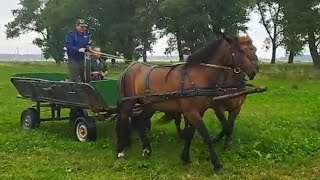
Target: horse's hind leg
{"type": "Point", "coordinates": [186, 125]}
{"type": "Point", "coordinates": [231, 119]}
{"type": "Point", "coordinates": [139, 125]}
{"type": "Point", "coordinates": [224, 124]}
{"type": "Point", "coordinates": [177, 121]}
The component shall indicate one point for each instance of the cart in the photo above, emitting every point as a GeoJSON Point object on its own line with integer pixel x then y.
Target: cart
{"type": "Point", "coordinates": [53, 90]}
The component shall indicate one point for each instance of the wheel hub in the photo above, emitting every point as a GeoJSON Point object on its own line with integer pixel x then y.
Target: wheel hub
{"type": "Point", "coordinates": [27, 121]}
{"type": "Point", "coordinates": [82, 132]}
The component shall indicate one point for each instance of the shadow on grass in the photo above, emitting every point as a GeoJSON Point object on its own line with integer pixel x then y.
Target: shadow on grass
{"type": "Point", "coordinates": [66, 130]}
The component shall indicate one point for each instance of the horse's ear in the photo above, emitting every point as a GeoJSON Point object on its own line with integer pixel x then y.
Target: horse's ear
{"type": "Point", "coordinates": [227, 37]}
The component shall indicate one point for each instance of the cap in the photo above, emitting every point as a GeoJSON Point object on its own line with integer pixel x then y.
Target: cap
{"type": "Point", "coordinates": [81, 21]}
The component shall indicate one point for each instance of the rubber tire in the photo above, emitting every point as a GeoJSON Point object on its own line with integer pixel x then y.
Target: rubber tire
{"type": "Point", "coordinates": [75, 113]}
{"type": "Point", "coordinates": [34, 119]}
{"type": "Point", "coordinates": [90, 128]}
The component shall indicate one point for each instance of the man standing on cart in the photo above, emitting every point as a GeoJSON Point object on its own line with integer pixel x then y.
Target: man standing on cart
{"type": "Point", "coordinates": [77, 42]}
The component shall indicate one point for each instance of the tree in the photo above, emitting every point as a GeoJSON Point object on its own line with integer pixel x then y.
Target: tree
{"type": "Point", "coordinates": [171, 15]}
{"type": "Point", "coordinates": [193, 23]}
{"type": "Point", "coordinates": [123, 27]}
{"type": "Point", "coordinates": [293, 40]}
{"type": "Point", "coordinates": [144, 26]}
{"type": "Point", "coordinates": [50, 18]}
{"type": "Point", "coordinates": [271, 18]}
{"type": "Point", "coordinates": [303, 24]}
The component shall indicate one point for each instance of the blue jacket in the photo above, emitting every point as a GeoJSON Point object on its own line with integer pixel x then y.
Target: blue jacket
{"type": "Point", "coordinates": [75, 41]}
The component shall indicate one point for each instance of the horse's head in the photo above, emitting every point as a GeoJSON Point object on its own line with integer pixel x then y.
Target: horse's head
{"type": "Point", "coordinates": [241, 54]}
{"type": "Point", "coordinates": [249, 49]}
{"type": "Point", "coordinates": [229, 53]}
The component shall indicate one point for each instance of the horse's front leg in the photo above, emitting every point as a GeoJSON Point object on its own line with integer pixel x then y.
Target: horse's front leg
{"type": "Point", "coordinates": [231, 119]}
{"type": "Point", "coordinates": [224, 124]}
{"type": "Point", "coordinates": [187, 134]}
{"type": "Point", "coordinates": [123, 134]}
{"type": "Point", "coordinates": [123, 127]}
{"type": "Point", "coordinates": [195, 120]}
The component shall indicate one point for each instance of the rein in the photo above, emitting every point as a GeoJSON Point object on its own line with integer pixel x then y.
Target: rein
{"type": "Point", "coordinates": [236, 70]}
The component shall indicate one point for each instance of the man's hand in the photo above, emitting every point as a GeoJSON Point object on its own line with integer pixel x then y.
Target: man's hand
{"type": "Point", "coordinates": [82, 50]}
{"type": "Point", "coordinates": [102, 74]}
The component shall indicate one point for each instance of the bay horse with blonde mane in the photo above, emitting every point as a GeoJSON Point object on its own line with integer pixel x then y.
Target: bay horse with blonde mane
{"type": "Point", "coordinates": [187, 88]}
{"type": "Point", "coordinates": [231, 105]}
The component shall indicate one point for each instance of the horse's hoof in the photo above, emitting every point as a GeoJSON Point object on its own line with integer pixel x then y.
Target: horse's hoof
{"type": "Point", "coordinates": [227, 146]}
{"type": "Point", "coordinates": [216, 140]}
{"type": "Point", "coordinates": [121, 155]}
{"type": "Point", "coordinates": [185, 160]}
{"type": "Point", "coordinates": [208, 158]}
{"type": "Point", "coordinates": [187, 163]}
{"type": "Point", "coordinates": [146, 153]}
{"type": "Point", "coordinates": [218, 169]}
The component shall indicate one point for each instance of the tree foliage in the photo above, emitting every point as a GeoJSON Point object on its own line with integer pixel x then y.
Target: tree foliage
{"type": "Point", "coordinates": [130, 28]}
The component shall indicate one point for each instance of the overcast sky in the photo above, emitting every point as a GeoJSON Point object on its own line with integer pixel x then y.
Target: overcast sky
{"type": "Point", "coordinates": [24, 44]}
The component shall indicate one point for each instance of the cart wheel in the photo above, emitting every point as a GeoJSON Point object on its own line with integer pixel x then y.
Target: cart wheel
{"type": "Point", "coordinates": [75, 113]}
{"type": "Point", "coordinates": [85, 129]}
{"type": "Point", "coordinates": [29, 119]}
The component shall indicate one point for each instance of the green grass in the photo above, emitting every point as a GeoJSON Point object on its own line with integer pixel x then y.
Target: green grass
{"type": "Point", "coordinates": [277, 136]}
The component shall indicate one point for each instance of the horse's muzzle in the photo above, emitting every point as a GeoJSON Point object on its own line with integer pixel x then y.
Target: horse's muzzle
{"type": "Point", "coordinates": [252, 75]}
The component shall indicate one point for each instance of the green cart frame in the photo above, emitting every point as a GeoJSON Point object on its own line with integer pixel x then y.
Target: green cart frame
{"type": "Point", "coordinates": [53, 91]}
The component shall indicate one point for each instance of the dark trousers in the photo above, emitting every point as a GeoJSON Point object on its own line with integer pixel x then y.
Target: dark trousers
{"type": "Point", "coordinates": [77, 71]}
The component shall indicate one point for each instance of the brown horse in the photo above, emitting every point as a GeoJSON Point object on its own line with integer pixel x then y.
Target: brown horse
{"type": "Point", "coordinates": [232, 105]}
{"type": "Point", "coordinates": [206, 68]}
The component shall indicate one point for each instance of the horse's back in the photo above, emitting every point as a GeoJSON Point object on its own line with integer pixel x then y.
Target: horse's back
{"type": "Point", "coordinates": [141, 76]}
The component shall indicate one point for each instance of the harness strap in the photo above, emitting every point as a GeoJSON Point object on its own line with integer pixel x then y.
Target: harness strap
{"type": "Point", "coordinates": [123, 80]}
{"type": "Point", "coordinates": [183, 77]}
{"type": "Point", "coordinates": [158, 98]}
{"type": "Point", "coordinates": [147, 80]}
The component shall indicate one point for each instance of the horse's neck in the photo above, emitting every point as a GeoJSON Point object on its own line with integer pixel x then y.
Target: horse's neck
{"type": "Point", "coordinates": [216, 76]}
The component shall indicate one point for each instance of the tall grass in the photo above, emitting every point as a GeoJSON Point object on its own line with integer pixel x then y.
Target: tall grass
{"type": "Point", "coordinates": [277, 136]}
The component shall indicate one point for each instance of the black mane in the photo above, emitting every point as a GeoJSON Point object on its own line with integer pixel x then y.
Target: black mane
{"type": "Point", "coordinates": [209, 50]}
{"type": "Point", "coordinates": [205, 53]}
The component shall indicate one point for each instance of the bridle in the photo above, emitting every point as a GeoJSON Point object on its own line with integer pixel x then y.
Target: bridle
{"type": "Point", "coordinates": [236, 70]}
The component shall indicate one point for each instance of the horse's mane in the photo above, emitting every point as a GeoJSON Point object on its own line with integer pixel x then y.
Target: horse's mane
{"type": "Point", "coordinates": [209, 50]}
{"type": "Point", "coordinates": [205, 53]}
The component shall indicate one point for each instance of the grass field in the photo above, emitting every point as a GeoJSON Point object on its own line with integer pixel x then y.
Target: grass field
{"type": "Point", "coordinates": [277, 136]}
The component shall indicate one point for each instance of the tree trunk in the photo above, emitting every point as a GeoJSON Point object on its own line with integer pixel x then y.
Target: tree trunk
{"type": "Point", "coordinates": [274, 51]}
{"type": "Point", "coordinates": [128, 52]}
{"type": "Point", "coordinates": [274, 46]}
{"type": "Point", "coordinates": [179, 44]}
{"type": "Point", "coordinates": [313, 49]}
{"type": "Point", "coordinates": [291, 57]}
{"type": "Point", "coordinates": [144, 52]}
